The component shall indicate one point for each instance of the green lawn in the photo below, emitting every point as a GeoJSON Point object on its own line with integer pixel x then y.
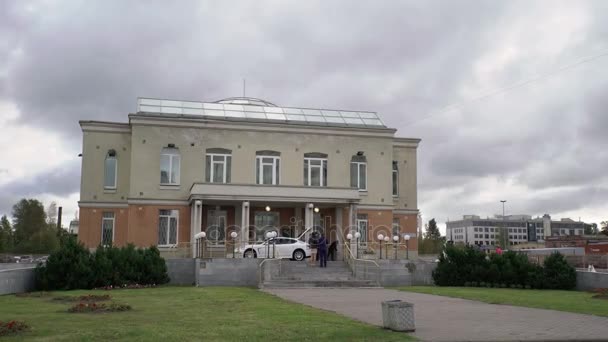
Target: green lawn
{"type": "Point", "coordinates": [187, 314]}
{"type": "Point", "coordinates": [571, 301]}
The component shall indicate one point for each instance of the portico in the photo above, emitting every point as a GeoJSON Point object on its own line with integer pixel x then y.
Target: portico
{"type": "Point", "coordinates": [252, 210]}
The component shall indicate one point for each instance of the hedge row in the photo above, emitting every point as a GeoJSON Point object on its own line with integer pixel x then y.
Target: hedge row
{"type": "Point", "coordinates": [468, 266]}
{"type": "Point", "coordinates": [74, 267]}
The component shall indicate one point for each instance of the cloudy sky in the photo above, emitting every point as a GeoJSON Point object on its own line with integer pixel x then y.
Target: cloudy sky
{"type": "Point", "coordinates": [509, 98]}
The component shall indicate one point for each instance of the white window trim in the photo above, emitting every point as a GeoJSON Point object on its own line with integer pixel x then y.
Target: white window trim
{"type": "Point", "coordinates": [113, 219]}
{"type": "Point", "coordinates": [397, 183]}
{"type": "Point", "coordinates": [176, 215]}
{"type": "Point", "coordinates": [321, 177]}
{"type": "Point", "coordinates": [225, 162]}
{"type": "Point", "coordinates": [260, 179]}
{"type": "Point", "coordinates": [172, 156]}
{"type": "Point", "coordinates": [359, 175]}
{"type": "Point", "coordinates": [110, 187]}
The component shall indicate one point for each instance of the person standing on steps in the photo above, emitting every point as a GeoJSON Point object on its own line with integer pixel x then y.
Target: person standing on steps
{"type": "Point", "coordinates": [322, 247]}
{"type": "Point", "coordinates": [313, 241]}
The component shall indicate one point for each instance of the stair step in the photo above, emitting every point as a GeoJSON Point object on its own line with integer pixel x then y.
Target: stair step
{"type": "Point", "coordinates": [319, 283]}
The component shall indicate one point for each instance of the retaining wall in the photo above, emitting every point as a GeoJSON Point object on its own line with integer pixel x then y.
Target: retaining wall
{"type": "Point", "coordinates": [586, 281]}
{"type": "Point", "coordinates": [396, 272]}
{"type": "Point", "coordinates": [227, 272]}
{"type": "Point", "coordinates": [16, 280]}
{"type": "Point", "coordinates": [181, 271]}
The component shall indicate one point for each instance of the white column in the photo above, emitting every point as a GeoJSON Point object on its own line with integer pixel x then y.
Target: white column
{"type": "Point", "coordinates": [196, 214]}
{"type": "Point", "coordinates": [244, 223]}
{"type": "Point", "coordinates": [308, 219]}
{"type": "Point", "coordinates": [352, 227]}
{"type": "Point", "coordinates": [339, 232]}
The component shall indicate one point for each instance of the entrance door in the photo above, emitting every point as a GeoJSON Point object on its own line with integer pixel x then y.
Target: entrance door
{"type": "Point", "coordinates": [362, 228]}
{"type": "Point", "coordinates": [216, 227]}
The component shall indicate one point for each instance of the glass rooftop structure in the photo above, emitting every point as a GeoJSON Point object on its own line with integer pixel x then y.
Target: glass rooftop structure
{"type": "Point", "coordinates": [246, 108]}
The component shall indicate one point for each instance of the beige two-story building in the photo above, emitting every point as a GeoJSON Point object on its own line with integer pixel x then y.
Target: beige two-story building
{"type": "Point", "coordinates": [247, 166]}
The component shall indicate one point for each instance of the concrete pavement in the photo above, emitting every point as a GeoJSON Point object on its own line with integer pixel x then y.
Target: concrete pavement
{"type": "Point", "coordinates": [452, 319]}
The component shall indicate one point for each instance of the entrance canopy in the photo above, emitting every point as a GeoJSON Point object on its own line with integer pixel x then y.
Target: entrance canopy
{"type": "Point", "coordinates": [273, 193]}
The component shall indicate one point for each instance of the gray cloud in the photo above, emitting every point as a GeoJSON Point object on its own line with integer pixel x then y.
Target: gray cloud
{"type": "Point", "coordinates": [72, 60]}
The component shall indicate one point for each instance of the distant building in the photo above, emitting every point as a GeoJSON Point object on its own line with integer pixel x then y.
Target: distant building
{"type": "Point", "coordinates": [73, 227]}
{"type": "Point", "coordinates": [474, 230]}
{"type": "Point", "coordinates": [593, 244]}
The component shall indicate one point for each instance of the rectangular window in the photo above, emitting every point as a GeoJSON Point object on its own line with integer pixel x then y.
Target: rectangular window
{"type": "Point", "coordinates": [167, 227]}
{"type": "Point", "coordinates": [395, 179]}
{"type": "Point", "coordinates": [217, 167]}
{"type": "Point", "coordinates": [358, 175]}
{"type": "Point", "coordinates": [315, 171]}
{"type": "Point", "coordinates": [267, 170]}
{"type": "Point", "coordinates": [107, 229]}
{"type": "Point", "coordinates": [169, 166]}
{"type": "Point", "coordinates": [396, 226]}
{"type": "Point", "coordinates": [110, 171]}
{"type": "Point", "coordinates": [265, 221]}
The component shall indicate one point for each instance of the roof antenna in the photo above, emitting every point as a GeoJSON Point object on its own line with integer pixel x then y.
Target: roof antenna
{"type": "Point", "coordinates": [244, 84]}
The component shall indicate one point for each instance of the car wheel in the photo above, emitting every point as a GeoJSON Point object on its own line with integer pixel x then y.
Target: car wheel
{"type": "Point", "coordinates": [250, 254]}
{"type": "Point", "coordinates": [298, 255]}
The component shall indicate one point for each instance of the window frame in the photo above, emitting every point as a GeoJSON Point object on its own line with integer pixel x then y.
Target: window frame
{"type": "Point", "coordinates": [322, 178]}
{"type": "Point", "coordinates": [225, 168]}
{"type": "Point", "coordinates": [172, 156]}
{"type": "Point", "coordinates": [103, 219]}
{"type": "Point", "coordinates": [169, 227]}
{"type": "Point", "coordinates": [259, 169]}
{"type": "Point", "coordinates": [109, 156]}
{"type": "Point", "coordinates": [395, 179]}
{"type": "Point", "coordinates": [358, 165]}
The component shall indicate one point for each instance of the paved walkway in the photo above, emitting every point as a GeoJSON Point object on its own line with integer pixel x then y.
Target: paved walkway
{"type": "Point", "coordinates": [452, 319]}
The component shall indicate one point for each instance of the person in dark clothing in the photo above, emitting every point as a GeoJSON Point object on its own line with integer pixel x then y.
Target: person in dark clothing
{"type": "Point", "coordinates": [322, 247]}
{"type": "Point", "coordinates": [333, 249]}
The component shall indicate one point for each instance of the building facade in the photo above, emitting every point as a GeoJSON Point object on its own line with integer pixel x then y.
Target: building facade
{"type": "Point", "coordinates": [243, 165]}
{"type": "Point", "coordinates": [520, 229]}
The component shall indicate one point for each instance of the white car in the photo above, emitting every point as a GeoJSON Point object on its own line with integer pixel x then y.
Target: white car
{"type": "Point", "coordinates": [280, 247]}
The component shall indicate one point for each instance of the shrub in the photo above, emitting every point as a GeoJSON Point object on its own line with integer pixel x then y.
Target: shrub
{"type": "Point", "coordinates": [482, 284]}
{"type": "Point", "coordinates": [467, 283]}
{"type": "Point", "coordinates": [12, 327]}
{"type": "Point", "coordinates": [94, 307]}
{"type": "Point", "coordinates": [558, 274]}
{"type": "Point", "coordinates": [74, 267]}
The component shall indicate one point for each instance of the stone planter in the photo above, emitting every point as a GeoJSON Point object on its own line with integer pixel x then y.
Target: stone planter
{"type": "Point", "coordinates": [398, 315]}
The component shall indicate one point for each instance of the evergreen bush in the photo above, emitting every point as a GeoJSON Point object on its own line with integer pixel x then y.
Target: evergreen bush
{"type": "Point", "coordinates": [558, 274]}
{"type": "Point", "coordinates": [74, 267]}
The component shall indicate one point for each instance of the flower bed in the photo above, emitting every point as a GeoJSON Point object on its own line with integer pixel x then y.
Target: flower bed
{"type": "Point", "coordinates": [601, 293]}
{"type": "Point", "coordinates": [12, 327]}
{"type": "Point", "coordinates": [126, 286]}
{"type": "Point", "coordinates": [38, 294]}
{"type": "Point", "coordinates": [94, 307]}
{"type": "Point", "coordinates": [86, 298]}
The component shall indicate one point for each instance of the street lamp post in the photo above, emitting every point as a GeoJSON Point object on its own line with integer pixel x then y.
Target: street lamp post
{"type": "Point", "coordinates": [349, 237]}
{"type": "Point", "coordinates": [395, 239]}
{"type": "Point", "coordinates": [357, 236]}
{"type": "Point", "coordinates": [407, 237]}
{"type": "Point", "coordinates": [505, 235]}
{"type": "Point", "coordinates": [268, 237]}
{"type": "Point", "coordinates": [234, 235]}
{"type": "Point", "coordinates": [200, 244]}
{"type": "Point", "coordinates": [380, 238]}
{"type": "Point", "coordinates": [386, 240]}
{"type": "Point", "coordinates": [274, 244]}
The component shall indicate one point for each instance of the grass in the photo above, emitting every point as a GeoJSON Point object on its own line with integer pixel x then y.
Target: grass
{"type": "Point", "coordinates": [570, 301]}
{"type": "Point", "coordinates": [187, 314]}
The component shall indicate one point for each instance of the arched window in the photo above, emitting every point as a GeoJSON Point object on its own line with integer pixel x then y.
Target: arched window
{"type": "Point", "coordinates": [169, 166]}
{"type": "Point", "coordinates": [267, 167]}
{"type": "Point", "coordinates": [217, 165]}
{"type": "Point", "coordinates": [315, 169]}
{"type": "Point", "coordinates": [110, 170]}
{"type": "Point", "coordinates": [358, 172]}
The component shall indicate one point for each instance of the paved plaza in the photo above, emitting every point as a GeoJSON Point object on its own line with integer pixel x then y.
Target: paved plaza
{"type": "Point", "coordinates": [452, 319]}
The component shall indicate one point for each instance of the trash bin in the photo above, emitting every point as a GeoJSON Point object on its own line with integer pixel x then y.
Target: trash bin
{"type": "Point", "coordinates": [398, 315]}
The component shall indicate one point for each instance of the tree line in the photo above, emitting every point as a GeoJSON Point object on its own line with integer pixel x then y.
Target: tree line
{"type": "Point", "coordinates": [33, 229]}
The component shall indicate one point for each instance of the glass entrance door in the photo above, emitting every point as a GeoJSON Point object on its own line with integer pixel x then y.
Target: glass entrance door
{"type": "Point", "coordinates": [216, 227]}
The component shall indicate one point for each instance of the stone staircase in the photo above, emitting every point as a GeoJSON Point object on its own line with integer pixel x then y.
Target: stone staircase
{"type": "Point", "coordinates": [300, 274]}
